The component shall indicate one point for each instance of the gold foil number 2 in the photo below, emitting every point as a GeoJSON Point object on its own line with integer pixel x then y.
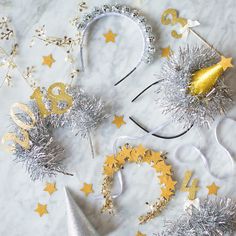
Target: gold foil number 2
{"type": "Point", "coordinates": [165, 20]}
{"type": "Point", "coordinates": [23, 140]}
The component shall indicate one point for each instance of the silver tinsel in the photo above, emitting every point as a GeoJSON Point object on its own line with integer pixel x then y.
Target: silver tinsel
{"type": "Point", "coordinates": [173, 94]}
{"type": "Point", "coordinates": [212, 218]}
{"type": "Point", "coordinates": [45, 156]}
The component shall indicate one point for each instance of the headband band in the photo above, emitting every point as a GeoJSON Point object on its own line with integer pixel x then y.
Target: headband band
{"type": "Point", "coordinates": [132, 14]}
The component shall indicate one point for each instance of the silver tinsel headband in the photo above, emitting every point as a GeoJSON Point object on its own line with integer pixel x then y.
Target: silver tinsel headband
{"type": "Point", "coordinates": [45, 156]}
{"type": "Point", "coordinates": [132, 14]}
{"type": "Point", "coordinates": [211, 218]}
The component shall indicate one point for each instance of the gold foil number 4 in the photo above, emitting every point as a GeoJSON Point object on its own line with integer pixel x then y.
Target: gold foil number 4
{"type": "Point", "coordinates": [54, 98]}
{"type": "Point", "coordinates": [170, 17]}
{"type": "Point", "coordinates": [192, 190]}
{"type": "Point", "coordinates": [23, 137]}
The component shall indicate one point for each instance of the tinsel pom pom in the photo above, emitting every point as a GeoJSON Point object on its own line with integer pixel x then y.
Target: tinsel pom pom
{"type": "Point", "coordinates": [212, 218]}
{"type": "Point", "coordinates": [173, 92]}
{"type": "Point", "coordinates": [45, 156]}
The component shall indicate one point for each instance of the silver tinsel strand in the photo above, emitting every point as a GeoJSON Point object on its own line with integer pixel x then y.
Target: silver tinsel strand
{"type": "Point", "coordinates": [45, 156]}
{"type": "Point", "coordinates": [213, 218]}
{"type": "Point", "coordinates": [173, 95]}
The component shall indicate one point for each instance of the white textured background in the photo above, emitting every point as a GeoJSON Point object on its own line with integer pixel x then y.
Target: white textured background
{"type": "Point", "coordinates": [105, 64]}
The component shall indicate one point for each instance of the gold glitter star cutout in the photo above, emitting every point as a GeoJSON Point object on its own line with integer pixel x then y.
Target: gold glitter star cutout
{"type": "Point", "coordinates": [140, 234]}
{"type": "Point", "coordinates": [41, 209]}
{"type": "Point", "coordinates": [213, 189]}
{"type": "Point", "coordinates": [166, 193]}
{"type": "Point", "coordinates": [110, 37]}
{"type": "Point", "coordinates": [50, 188]}
{"type": "Point", "coordinates": [87, 189]}
{"type": "Point", "coordinates": [48, 60]}
{"type": "Point", "coordinates": [226, 62]}
{"type": "Point", "coordinates": [166, 52]}
{"type": "Point", "coordinates": [118, 121]}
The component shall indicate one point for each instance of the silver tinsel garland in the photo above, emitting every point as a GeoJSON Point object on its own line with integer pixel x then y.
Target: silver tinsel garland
{"type": "Point", "coordinates": [45, 156]}
{"type": "Point", "coordinates": [173, 95]}
{"type": "Point", "coordinates": [212, 218]}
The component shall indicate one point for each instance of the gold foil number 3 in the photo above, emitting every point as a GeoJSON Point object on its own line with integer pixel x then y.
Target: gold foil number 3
{"type": "Point", "coordinates": [165, 20]}
{"type": "Point", "coordinates": [54, 98]}
{"type": "Point", "coordinates": [21, 138]}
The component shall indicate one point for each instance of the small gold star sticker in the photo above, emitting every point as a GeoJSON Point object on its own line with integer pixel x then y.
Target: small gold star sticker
{"type": "Point", "coordinates": [110, 37]}
{"type": "Point", "coordinates": [41, 209]}
{"type": "Point", "coordinates": [50, 188]}
{"type": "Point", "coordinates": [87, 189]}
{"type": "Point", "coordinates": [118, 121]}
{"type": "Point", "coordinates": [140, 234]}
{"type": "Point", "coordinates": [213, 189]}
{"type": "Point", "coordinates": [166, 52]}
{"type": "Point", "coordinates": [226, 62]}
{"type": "Point", "coordinates": [48, 60]}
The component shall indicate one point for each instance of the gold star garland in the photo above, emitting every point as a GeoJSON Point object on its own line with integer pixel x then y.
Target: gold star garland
{"type": "Point", "coordinates": [139, 154]}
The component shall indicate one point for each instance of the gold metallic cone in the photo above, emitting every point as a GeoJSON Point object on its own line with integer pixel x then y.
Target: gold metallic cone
{"type": "Point", "coordinates": [205, 79]}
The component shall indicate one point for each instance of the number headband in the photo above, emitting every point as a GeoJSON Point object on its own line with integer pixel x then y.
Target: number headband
{"type": "Point", "coordinates": [132, 14]}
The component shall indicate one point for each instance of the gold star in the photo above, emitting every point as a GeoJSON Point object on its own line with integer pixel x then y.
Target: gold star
{"type": "Point", "coordinates": [108, 170]}
{"type": "Point", "coordinates": [166, 193]}
{"type": "Point", "coordinates": [163, 168]}
{"type": "Point", "coordinates": [50, 188]}
{"type": "Point", "coordinates": [140, 234]}
{"type": "Point", "coordinates": [111, 161]}
{"type": "Point", "coordinates": [110, 37]}
{"type": "Point", "coordinates": [87, 189]}
{"type": "Point", "coordinates": [41, 209]}
{"type": "Point", "coordinates": [213, 189]}
{"type": "Point", "coordinates": [226, 63]}
{"type": "Point", "coordinates": [118, 121]}
{"type": "Point", "coordinates": [168, 181]}
{"type": "Point", "coordinates": [48, 60]}
{"type": "Point", "coordinates": [166, 52]}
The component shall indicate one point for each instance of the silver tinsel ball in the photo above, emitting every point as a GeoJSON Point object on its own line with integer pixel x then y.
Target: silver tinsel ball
{"type": "Point", "coordinates": [212, 218]}
{"type": "Point", "coordinates": [45, 156]}
{"type": "Point", "coordinates": [173, 94]}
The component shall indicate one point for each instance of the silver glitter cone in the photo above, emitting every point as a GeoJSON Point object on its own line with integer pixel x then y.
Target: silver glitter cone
{"type": "Point", "coordinates": [78, 224]}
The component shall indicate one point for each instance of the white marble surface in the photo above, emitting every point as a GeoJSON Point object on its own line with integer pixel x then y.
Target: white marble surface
{"type": "Point", "coordinates": [106, 64]}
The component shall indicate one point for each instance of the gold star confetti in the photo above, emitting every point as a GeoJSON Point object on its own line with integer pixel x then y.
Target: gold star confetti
{"type": "Point", "coordinates": [162, 167]}
{"type": "Point", "coordinates": [118, 121]}
{"type": "Point", "coordinates": [41, 209]}
{"type": "Point", "coordinates": [140, 234]}
{"type": "Point", "coordinates": [213, 189]}
{"type": "Point", "coordinates": [166, 52]}
{"type": "Point", "coordinates": [168, 181]}
{"type": "Point", "coordinates": [50, 188]}
{"type": "Point", "coordinates": [226, 62]}
{"type": "Point", "coordinates": [48, 60]}
{"type": "Point", "coordinates": [87, 189]}
{"type": "Point", "coordinates": [110, 37]}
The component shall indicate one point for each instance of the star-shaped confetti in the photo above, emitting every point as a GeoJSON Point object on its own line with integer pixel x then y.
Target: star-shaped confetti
{"type": "Point", "coordinates": [140, 234]}
{"type": "Point", "coordinates": [166, 52]}
{"type": "Point", "coordinates": [87, 189]}
{"type": "Point", "coordinates": [213, 189]}
{"type": "Point", "coordinates": [41, 209]}
{"type": "Point", "coordinates": [110, 37]}
{"type": "Point", "coordinates": [48, 60]}
{"type": "Point", "coordinates": [111, 161]}
{"type": "Point", "coordinates": [226, 62]}
{"type": "Point", "coordinates": [118, 121]}
{"type": "Point", "coordinates": [50, 188]}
